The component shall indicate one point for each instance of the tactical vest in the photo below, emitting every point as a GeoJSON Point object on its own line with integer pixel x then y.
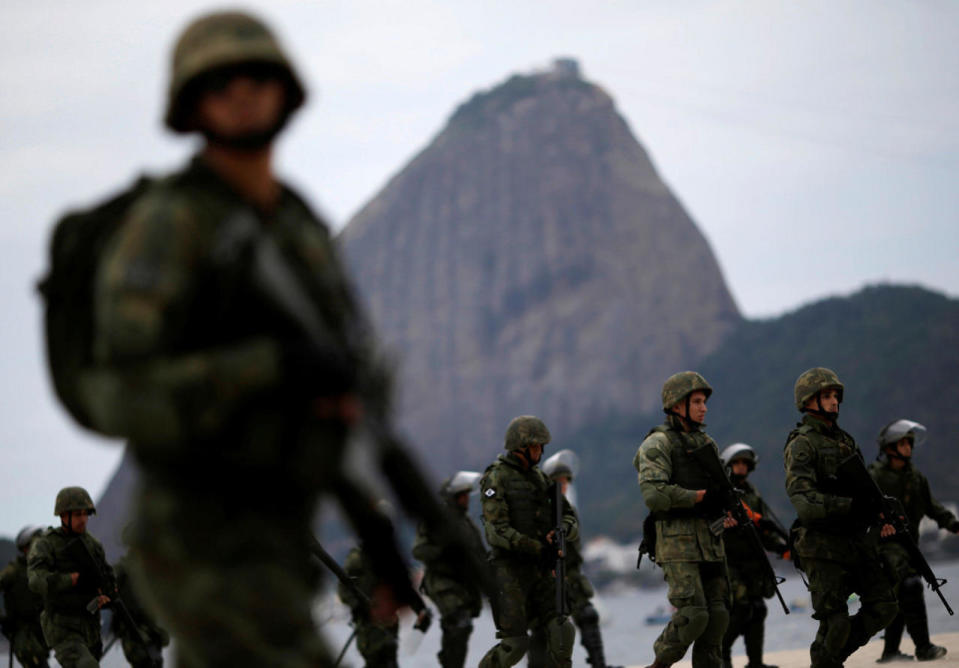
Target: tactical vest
{"type": "Point", "coordinates": [906, 486]}
{"type": "Point", "coordinates": [830, 452]}
{"type": "Point", "coordinates": [527, 497]}
{"type": "Point", "coordinates": [73, 600]}
{"type": "Point", "coordinates": [687, 472]}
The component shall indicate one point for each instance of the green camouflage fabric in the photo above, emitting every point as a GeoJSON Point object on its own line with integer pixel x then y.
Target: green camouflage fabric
{"type": "Point", "coordinates": [835, 551]}
{"type": "Point", "coordinates": [22, 608]}
{"type": "Point", "coordinates": [377, 642]}
{"type": "Point", "coordinates": [813, 381]}
{"type": "Point", "coordinates": [232, 461]}
{"type": "Point", "coordinates": [525, 430]}
{"type": "Point", "coordinates": [73, 498]}
{"type": "Point", "coordinates": [747, 615]}
{"type": "Point", "coordinates": [220, 40]}
{"type": "Point", "coordinates": [136, 653]}
{"type": "Point", "coordinates": [681, 384]}
{"type": "Point", "coordinates": [680, 538]}
{"type": "Point", "coordinates": [692, 558]}
{"type": "Point", "coordinates": [69, 629]}
{"type": "Point", "coordinates": [457, 599]}
{"type": "Point", "coordinates": [517, 516]}
{"type": "Point", "coordinates": [911, 487]}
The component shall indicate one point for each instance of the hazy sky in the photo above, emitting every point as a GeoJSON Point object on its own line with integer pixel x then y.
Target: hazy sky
{"type": "Point", "coordinates": [816, 144]}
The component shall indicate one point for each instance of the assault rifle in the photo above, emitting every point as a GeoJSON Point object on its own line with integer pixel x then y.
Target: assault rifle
{"type": "Point", "coordinates": [320, 553]}
{"type": "Point", "coordinates": [559, 548]}
{"type": "Point", "coordinates": [853, 473]}
{"type": "Point", "coordinates": [730, 500]}
{"type": "Point", "coordinates": [91, 571]}
{"type": "Point", "coordinates": [279, 283]}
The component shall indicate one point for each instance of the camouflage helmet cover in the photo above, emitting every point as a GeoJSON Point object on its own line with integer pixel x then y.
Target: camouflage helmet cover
{"type": "Point", "coordinates": [220, 40]}
{"type": "Point", "coordinates": [740, 451]}
{"type": "Point", "coordinates": [563, 463]}
{"type": "Point", "coordinates": [812, 381]}
{"type": "Point", "coordinates": [524, 431]}
{"type": "Point", "coordinates": [73, 498]}
{"type": "Point", "coordinates": [26, 535]}
{"type": "Point", "coordinates": [895, 431]}
{"type": "Point", "coordinates": [680, 385]}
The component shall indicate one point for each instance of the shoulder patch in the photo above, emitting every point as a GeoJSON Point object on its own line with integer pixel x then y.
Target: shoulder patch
{"type": "Point", "coordinates": [801, 456]}
{"type": "Point", "coordinates": [490, 492]}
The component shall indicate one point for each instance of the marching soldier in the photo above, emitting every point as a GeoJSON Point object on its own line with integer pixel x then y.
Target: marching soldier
{"type": "Point", "coordinates": [562, 468]}
{"type": "Point", "coordinates": [68, 568]}
{"type": "Point", "coordinates": [748, 613]}
{"type": "Point", "coordinates": [520, 532]}
{"type": "Point", "coordinates": [23, 607]}
{"type": "Point", "coordinates": [674, 487]}
{"type": "Point", "coordinates": [833, 545]}
{"type": "Point", "coordinates": [899, 478]}
{"type": "Point", "coordinates": [458, 598]}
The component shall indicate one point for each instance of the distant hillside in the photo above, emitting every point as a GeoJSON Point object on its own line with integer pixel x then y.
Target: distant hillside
{"type": "Point", "coordinates": [532, 260]}
{"type": "Point", "coordinates": [894, 348]}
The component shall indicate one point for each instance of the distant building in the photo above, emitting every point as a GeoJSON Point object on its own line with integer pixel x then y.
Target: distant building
{"type": "Point", "coordinates": [566, 67]}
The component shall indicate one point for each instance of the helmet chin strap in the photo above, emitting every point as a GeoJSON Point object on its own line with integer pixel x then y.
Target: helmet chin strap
{"type": "Point", "coordinates": [685, 418]}
{"type": "Point", "coordinates": [832, 416]}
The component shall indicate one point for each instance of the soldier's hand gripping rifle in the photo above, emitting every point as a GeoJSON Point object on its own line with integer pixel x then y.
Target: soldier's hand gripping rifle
{"type": "Point", "coordinates": [730, 500]}
{"type": "Point", "coordinates": [888, 510]}
{"type": "Point", "coordinates": [559, 550]}
{"type": "Point", "coordinates": [344, 331]}
{"type": "Point", "coordinates": [92, 572]}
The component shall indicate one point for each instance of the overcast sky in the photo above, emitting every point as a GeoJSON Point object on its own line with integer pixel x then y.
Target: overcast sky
{"type": "Point", "coordinates": [816, 144]}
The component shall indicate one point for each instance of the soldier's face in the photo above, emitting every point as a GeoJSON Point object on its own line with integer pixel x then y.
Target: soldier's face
{"type": "Point", "coordinates": [241, 104]}
{"type": "Point", "coordinates": [534, 453]}
{"type": "Point", "coordinates": [739, 467]}
{"type": "Point", "coordinates": [829, 398]}
{"type": "Point", "coordinates": [76, 520]}
{"type": "Point", "coordinates": [697, 406]}
{"type": "Point", "coordinates": [463, 500]}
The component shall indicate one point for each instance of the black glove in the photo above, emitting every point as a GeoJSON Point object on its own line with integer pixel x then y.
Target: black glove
{"type": "Point", "coordinates": [312, 371]}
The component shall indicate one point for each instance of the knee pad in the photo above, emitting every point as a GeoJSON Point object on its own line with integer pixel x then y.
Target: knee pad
{"type": "Point", "coordinates": [696, 618]}
{"type": "Point", "coordinates": [560, 636]}
{"type": "Point", "coordinates": [587, 616]}
{"type": "Point", "coordinates": [513, 648]}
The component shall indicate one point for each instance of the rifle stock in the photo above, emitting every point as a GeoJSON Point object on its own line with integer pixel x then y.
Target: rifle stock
{"type": "Point", "coordinates": [889, 510]}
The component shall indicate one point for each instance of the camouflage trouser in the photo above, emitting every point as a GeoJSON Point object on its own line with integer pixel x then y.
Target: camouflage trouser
{"type": "Point", "coordinates": [74, 639]}
{"type": "Point", "coordinates": [29, 646]}
{"type": "Point", "coordinates": [377, 643]}
{"type": "Point", "coordinates": [909, 592]}
{"type": "Point", "coordinates": [457, 606]}
{"type": "Point", "coordinates": [229, 577]}
{"type": "Point", "coordinates": [830, 584]}
{"type": "Point", "coordinates": [747, 616]}
{"type": "Point", "coordinates": [700, 593]}
{"type": "Point", "coordinates": [526, 599]}
{"type": "Point", "coordinates": [579, 592]}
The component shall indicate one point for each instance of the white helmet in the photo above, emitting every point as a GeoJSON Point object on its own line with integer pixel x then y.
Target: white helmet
{"type": "Point", "coordinates": [564, 462]}
{"type": "Point", "coordinates": [894, 432]}
{"type": "Point", "coordinates": [462, 481]}
{"type": "Point", "coordinates": [740, 451]}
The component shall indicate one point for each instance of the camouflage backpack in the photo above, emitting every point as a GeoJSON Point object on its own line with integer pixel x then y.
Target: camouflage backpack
{"type": "Point", "coordinates": [78, 242]}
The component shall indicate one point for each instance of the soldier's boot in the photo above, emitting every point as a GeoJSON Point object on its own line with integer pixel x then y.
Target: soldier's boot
{"type": "Point", "coordinates": [754, 637]}
{"type": "Point", "coordinates": [891, 639]}
{"type": "Point", "coordinates": [914, 615]}
{"type": "Point", "coordinates": [457, 629]}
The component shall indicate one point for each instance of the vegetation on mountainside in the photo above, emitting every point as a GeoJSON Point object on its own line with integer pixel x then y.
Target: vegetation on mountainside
{"type": "Point", "coordinates": [893, 347]}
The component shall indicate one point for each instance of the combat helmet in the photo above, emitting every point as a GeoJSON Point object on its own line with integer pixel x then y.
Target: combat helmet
{"type": "Point", "coordinates": [73, 498]}
{"type": "Point", "coordinates": [740, 451]}
{"type": "Point", "coordinates": [460, 482]}
{"type": "Point", "coordinates": [524, 431]}
{"type": "Point", "coordinates": [897, 430]}
{"type": "Point", "coordinates": [680, 385]}
{"type": "Point", "coordinates": [563, 463]}
{"type": "Point", "coordinates": [813, 381]}
{"type": "Point", "coordinates": [27, 534]}
{"type": "Point", "coordinates": [220, 40]}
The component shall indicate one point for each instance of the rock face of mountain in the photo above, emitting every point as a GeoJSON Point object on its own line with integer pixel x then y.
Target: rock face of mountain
{"type": "Point", "coordinates": [531, 260]}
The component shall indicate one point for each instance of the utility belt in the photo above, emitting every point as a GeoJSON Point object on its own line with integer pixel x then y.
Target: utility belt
{"type": "Point", "coordinates": [696, 512]}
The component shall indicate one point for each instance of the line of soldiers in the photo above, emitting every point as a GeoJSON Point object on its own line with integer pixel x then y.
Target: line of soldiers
{"type": "Point", "coordinates": [842, 540]}
{"type": "Point", "coordinates": [228, 349]}
{"type": "Point", "coordinates": [54, 590]}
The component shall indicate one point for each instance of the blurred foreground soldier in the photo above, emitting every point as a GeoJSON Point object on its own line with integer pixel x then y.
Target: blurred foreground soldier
{"type": "Point", "coordinates": [68, 568]}
{"type": "Point", "coordinates": [674, 487]}
{"type": "Point", "coordinates": [137, 653]}
{"type": "Point", "coordinates": [898, 477]}
{"type": "Point", "coordinates": [230, 351]}
{"type": "Point", "coordinates": [833, 544]}
{"type": "Point", "coordinates": [21, 624]}
{"type": "Point", "coordinates": [457, 597]}
{"type": "Point", "coordinates": [562, 468]}
{"type": "Point", "coordinates": [748, 613]}
{"type": "Point", "coordinates": [517, 517]}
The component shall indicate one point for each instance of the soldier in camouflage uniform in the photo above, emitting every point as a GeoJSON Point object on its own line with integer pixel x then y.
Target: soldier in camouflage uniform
{"type": "Point", "coordinates": [237, 418]}
{"type": "Point", "coordinates": [674, 487]}
{"type": "Point", "coordinates": [23, 607]}
{"type": "Point", "coordinates": [833, 544]}
{"type": "Point", "coordinates": [748, 613]}
{"type": "Point", "coordinates": [377, 636]}
{"type": "Point", "coordinates": [137, 654]}
{"type": "Point", "coordinates": [59, 570]}
{"type": "Point", "coordinates": [898, 477]}
{"type": "Point", "coordinates": [517, 517]}
{"type": "Point", "coordinates": [457, 597]}
{"type": "Point", "coordinates": [562, 468]}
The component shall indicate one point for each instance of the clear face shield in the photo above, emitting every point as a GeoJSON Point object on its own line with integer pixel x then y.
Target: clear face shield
{"type": "Point", "coordinates": [564, 462]}
{"type": "Point", "coordinates": [900, 429]}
